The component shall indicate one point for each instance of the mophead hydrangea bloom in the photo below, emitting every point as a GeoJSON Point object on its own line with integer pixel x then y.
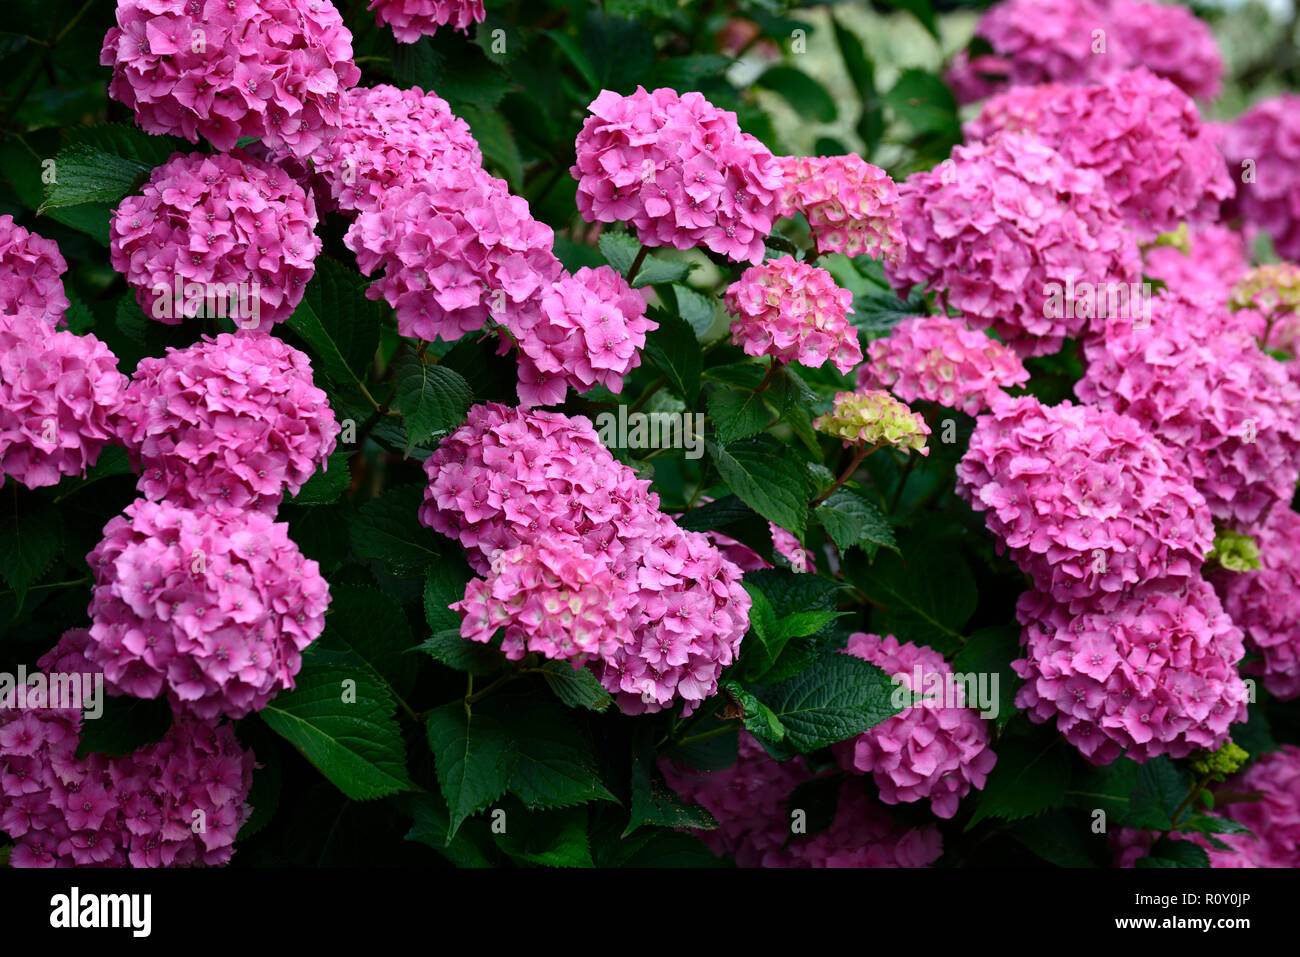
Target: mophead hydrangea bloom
{"type": "Point", "coordinates": [213, 607]}
{"type": "Point", "coordinates": [793, 312]}
{"type": "Point", "coordinates": [1264, 798]}
{"type": "Point", "coordinates": [1003, 230]}
{"type": "Point", "coordinates": [587, 329]}
{"type": "Point", "coordinates": [1084, 500]}
{"type": "Point", "coordinates": [227, 69]}
{"type": "Point", "coordinates": [1172, 42]}
{"type": "Point", "coordinates": [1262, 148]}
{"type": "Point", "coordinates": [456, 249]}
{"type": "Point", "coordinates": [1198, 382]}
{"type": "Point", "coordinates": [937, 748]}
{"type": "Point", "coordinates": [1267, 300]}
{"type": "Point", "coordinates": [31, 268]}
{"type": "Point", "coordinates": [1155, 673]}
{"type": "Point", "coordinates": [389, 138]}
{"type": "Point", "coordinates": [1265, 602]}
{"type": "Point", "coordinates": [1205, 261]}
{"type": "Point", "coordinates": [517, 477]}
{"type": "Point", "coordinates": [60, 395]}
{"type": "Point", "coordinates": [874, 417]}
{"type": "Point", "coordinates": [220, 234]}
{"type": "Point", "coordinates": [554, 599]}
{"type": "Point", "coordinates": [412, 19]}
{"type": "Point", "coordinates": [851, 206]}
{"type": "Point", "coordinates": [233, 421]}
{"type": "Point", "coordinates": [138, 809]}
{"type": "Point", "coordinates": [678, 169]}
{"type": "Point", "coordinates": [942, 360]}
{"type": "Point", "coordinates": [1141, 133]}
{"type": "Point", "coordinates": [1038, 41]}
{"type": "Point", "coordinates": [749, 799]}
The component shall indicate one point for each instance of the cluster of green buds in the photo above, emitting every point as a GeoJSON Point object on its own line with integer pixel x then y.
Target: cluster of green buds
{"type": "Point", "coordinates": [1227, 760]}
{"type": "Point", "coordinates": [1234, 551]}
{"type": "Point", "coordinates": [874, 417]}
{"type": "Point", "coordinates": [1268, 289]}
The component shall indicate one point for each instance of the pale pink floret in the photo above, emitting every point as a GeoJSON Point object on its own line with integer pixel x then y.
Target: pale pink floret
{"type": "Point", "coordinates": [749, 800]}
{"type": "Point", "coordinates": [1084, 500]}
{"type": "Point", "coordinates": [1155, 673]}
{"type": "Point", "coordinates": [234, 421]}
{"type": "Point", "coordinates": [60, 395]}
{"type": "Point", "coordinates": [942, 360]}
{"type": "Point", "coordinates": [793, 312]}
{"type": "Point", "coordinates": [227, 69]}
{"type": "Point", "coordinates": [937, 749]}
{"type": "Point", "coordinates": [678, 169]}
{"type": "Point", "coordinates": [212, 607]}
{"type": "Point", "coordinates": [208, 225]}
{"type": "Point", "coordinates": [412, 19]}
{"type": "Point", "coordinates": [996, 228]}
{"type": "Point", "coordinates": [31, 268]}
{"type": "Point", "coordinates": [1196, 379]}
{"type": "Point", "coordinates": [851, 206]}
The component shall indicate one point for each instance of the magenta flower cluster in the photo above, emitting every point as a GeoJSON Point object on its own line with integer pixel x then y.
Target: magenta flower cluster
{"type": "Point", "coordinates": [851, 206]}
{"type": "Point", "coordinates": [1214, 259]}
{"type": "Point", "coordinates": [213, 607]}
{"type": "Point", "coordinates": [1084, 500]}
{"type": "Point", "coordinates": [748, 801]}
{"type": "Point", "coordinates": [587, 330]}
{"type": "Point", "coordinates": [1141, 133]}
{"type": "Point", "coordinates": [678, 169]}
{"type": "Point", "coordinates": [793, 312]}
{"type": "Point", "coordinates": [1199, 383]}
{"type": "Point", "coordinates": [60, 395]}
{"type": "Point", "coordinates": [97, 811]}
{"type": "Point", "coordinates": [936, 749]}
{"type": "Point", "coordinates": [232, 422]}
{"type": "Point", "coordinates": [1262, 147]}
{"type": "Point", "coordinates": [30, 271]}
{"type": "Point", "coordinates": [1265, 602]}
{"type": "Point", "coordinates": [227, 69]}
{"type": "Point", "coordinates": [208, 234]}
{"type": "Point", "coordinates": [993, 227]}
{"type": "Point", "coordinates": [942, 360]}
{"type": "Point", "coordinates": [412, 19]}
{"type": "Point", "coordinates": [514, 477]}
{"type": "Point", "coordinates": [1154, 673]}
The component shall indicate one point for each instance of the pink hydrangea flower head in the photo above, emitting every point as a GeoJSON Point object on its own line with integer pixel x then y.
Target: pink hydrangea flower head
{"type": "Point", "coordinates": [272, 69]}
{"type": "Point", "coordinates": [938, 748]}
{"type": "Point", "coordinates": [588, 329]}
{"type": "Point", "coordinates": [1172, 42]}
{"type": "Point", "coordinates": [1038, 41]}
{"type": "Point", "coordinates": [412, 19]}
{"type": "Point", "coordinates": [233, 421]}
{"type": "Point", "coordinates": [1264, 141]}
{"type": "Point", "coordinates": [213, 607]}
{"type": "Point", "coordinates": [793, 312]}
{"type": "Point", "coordinates": [1207, 261]}
{"type": "Point", "coordinates": [516, 477]}
{"type": "Point", "coordinates": [60, 395]}
{"type": "Point", "coordinates": [1268, 298]}
{"type": "Point", "coordinates": [1139, 132]}
{"type": "Point", "coordinates": [1083, 500]}
{"type": "Point", "coordinates": [851, 205]}
{"type": "Point", "coordinates": [553, 599]}
{"type": "Point", "coordinates": [219, 234]}
{"type": "Point", "coordinates": [389, 138]}
{"type": "Point", "coordinates": [942, 360]}
{"type": "Point", "coordinates": [1155, 674]}
{"type": "Point", "coordinates": [874, 417]}
{"type": "Point", "coordinates": [1265, 602]}
{"type": "Point", "coordinates": [748, 800]}
{"type": "Point", "coordinates": [30, 271]}
{"type": "Point", "coordinates": [1198, 381]}
{"type": "Point", "coordinates": [680, 170]}
{"type": "Point", "coordinates": [456, 250]}
{"type": "Point", "coordinates": [1002, 229]}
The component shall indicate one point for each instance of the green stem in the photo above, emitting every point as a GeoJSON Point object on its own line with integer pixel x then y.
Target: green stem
{"type": "Point", "coordinates": [859, 454]}
{"type": "Point", "coordinates": [479, 695]}
{"type": "Point", "coordinates": [650, 391]}
{"type": "Point", "coordinates": [1197, 788]}
{"type": "Point", "coordinates": [902, 482]}
{"type": "Point", "coordinates": [636, 264]}
{"type": "Point", "coordinates": [705, 735]}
